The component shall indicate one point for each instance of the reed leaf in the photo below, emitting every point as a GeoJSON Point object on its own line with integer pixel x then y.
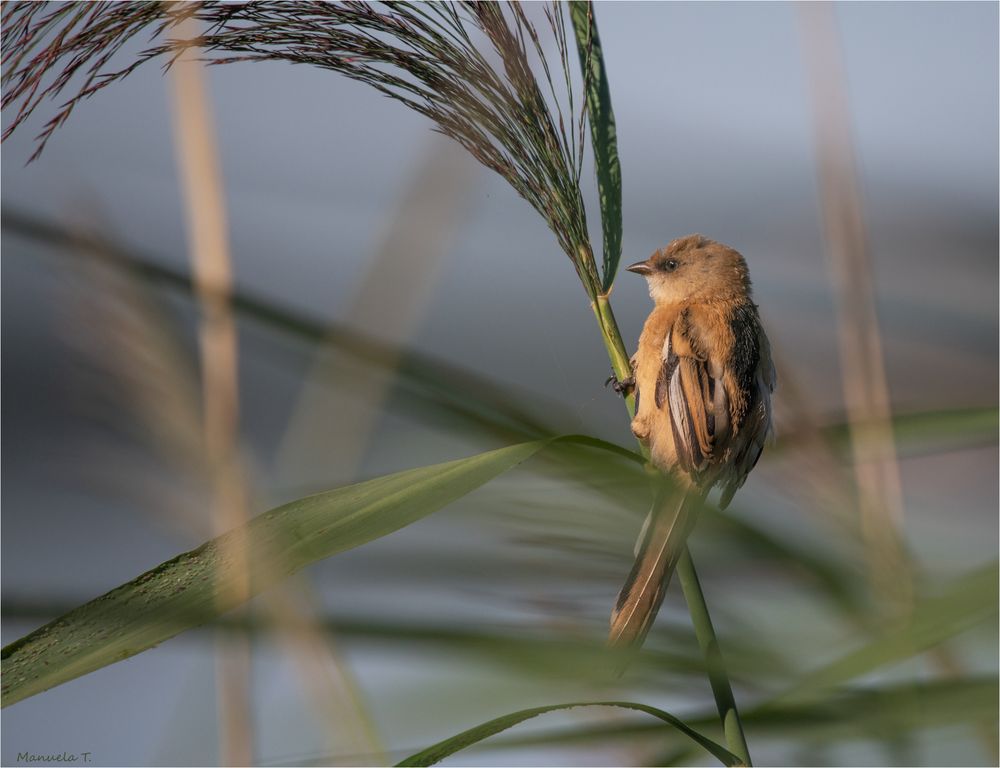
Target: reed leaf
{"type": "Point", "coordinates": [960, 606]}
{"type": "Point", "coordinates": [884, 712]}
{"type": "Point", "coordinates": [603, 135]}
{"type": "Point", "coordinates": [539, 652]}
{"type": "Point", "coordinates": [876, 713]}
{"type": "Point", "coordinates": [184, 592]}
{"type": "Point", "coordinates": [920, 432]}
{"type": "Point", "coordinates": [443, 749]}
{"type": "Point", "coordinates": [449, 394]}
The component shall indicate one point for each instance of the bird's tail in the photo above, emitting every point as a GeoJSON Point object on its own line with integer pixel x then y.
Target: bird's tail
{"type": "Point", "coordinates": [658, 549]}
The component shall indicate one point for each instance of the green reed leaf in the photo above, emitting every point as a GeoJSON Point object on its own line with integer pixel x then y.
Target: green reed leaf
{"type": "Point", "coordinates": [603, 133]}
{"type": "Point", "coordinates": [443, 749]}
{"type": "Point", "coordinates": [962, 605]}
{"type": "Point", "coordinates": [185, 591]}
{"type": "Point", "coordinates": [878, 713]}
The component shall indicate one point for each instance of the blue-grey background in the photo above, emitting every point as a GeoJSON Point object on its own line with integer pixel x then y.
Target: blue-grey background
{"type": "Point", "coordinates": [716, 136]}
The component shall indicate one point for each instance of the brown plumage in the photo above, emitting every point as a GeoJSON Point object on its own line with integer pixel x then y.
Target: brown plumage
{"type": "Point", "coordinates": [703, 378]}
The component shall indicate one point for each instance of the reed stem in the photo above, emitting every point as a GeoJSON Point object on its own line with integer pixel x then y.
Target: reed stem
{"type": "Point", "coordinates": [717, 676]}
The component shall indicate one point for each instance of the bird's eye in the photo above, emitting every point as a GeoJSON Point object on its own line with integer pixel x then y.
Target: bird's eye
{"type": "Point", "coordinates": [670, 265]}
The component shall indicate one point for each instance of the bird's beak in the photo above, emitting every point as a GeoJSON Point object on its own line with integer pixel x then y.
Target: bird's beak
{"type": "Point", "coordinates": [640, 268]}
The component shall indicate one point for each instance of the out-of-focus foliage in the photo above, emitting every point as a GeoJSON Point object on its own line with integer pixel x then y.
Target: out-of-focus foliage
{"type": "Point", "coordinates": [183, 592]}
{"type": "Point", "coordinates": [819, 663]}
{"type": "Point", "coordinates": [440, 751]}
{"type": "Point", "coordinates": [790, 697]}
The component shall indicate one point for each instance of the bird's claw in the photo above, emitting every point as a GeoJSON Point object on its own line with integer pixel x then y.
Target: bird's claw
{"type": "Point", "coordinates": [623, 387]}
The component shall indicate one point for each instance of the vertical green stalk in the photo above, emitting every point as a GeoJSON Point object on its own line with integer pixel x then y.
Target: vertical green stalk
{"type": "Point", "coordinates": [701, 620]}
{"type": "Point", "coordinates": [613, 343]}
{"type": "Point", "coordinates": [705, 632]}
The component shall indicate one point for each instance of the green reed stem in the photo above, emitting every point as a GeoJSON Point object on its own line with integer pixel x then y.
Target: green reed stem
{"type": "Point", "coordinates": [717, 676]}
{"type": "Point", "coordinates": [722, 690]}
{"type": "Point", "coordinates": [612, 338]}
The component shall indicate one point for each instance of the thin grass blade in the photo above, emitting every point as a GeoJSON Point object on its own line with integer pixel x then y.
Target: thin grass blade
{"type": "Point", "coordinates": [443, 749]}
{"type": "Point", "coordinates": [443, 392]}
{"type": "Point", "coordinates": [872, 713]}
{"type": "Point", "coordinates": [964, 604]}
{"type": "Point", "coordinates": [604, 136]}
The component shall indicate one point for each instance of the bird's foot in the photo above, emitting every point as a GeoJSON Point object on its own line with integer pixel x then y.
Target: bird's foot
{"type": "Point", "coordinates": [623, 387]}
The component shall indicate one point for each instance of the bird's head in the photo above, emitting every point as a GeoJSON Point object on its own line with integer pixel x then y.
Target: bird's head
{"type": "Point", "coordinates": [693, 269]}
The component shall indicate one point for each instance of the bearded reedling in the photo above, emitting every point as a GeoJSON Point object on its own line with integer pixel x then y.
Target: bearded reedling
{"type": "Point", "coordinates": [703, 379]}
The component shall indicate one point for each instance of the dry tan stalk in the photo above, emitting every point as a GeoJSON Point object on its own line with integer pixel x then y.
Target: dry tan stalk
{"type": "Point", "coordinates": [865, 385]}
{"type": "Point", "coordinates": [209, 248]}
{"type": "Point", "coordinates": [327, 434]}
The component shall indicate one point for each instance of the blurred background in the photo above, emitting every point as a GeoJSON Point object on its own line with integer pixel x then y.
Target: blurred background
{"type": "Point", "coordinates": [354, 223]}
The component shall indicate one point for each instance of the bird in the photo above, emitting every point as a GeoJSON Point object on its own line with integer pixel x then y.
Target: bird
{"type": "Point", "coordinates": [703, 377]}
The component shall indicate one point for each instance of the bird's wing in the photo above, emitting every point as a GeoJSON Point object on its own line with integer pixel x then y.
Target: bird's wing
{"type": "Point", "coordinates": [696, 401]}
{"type": "Point", "coordinates": [720, 410]}
{"type": "Point", "coordinates": [753, 374]}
